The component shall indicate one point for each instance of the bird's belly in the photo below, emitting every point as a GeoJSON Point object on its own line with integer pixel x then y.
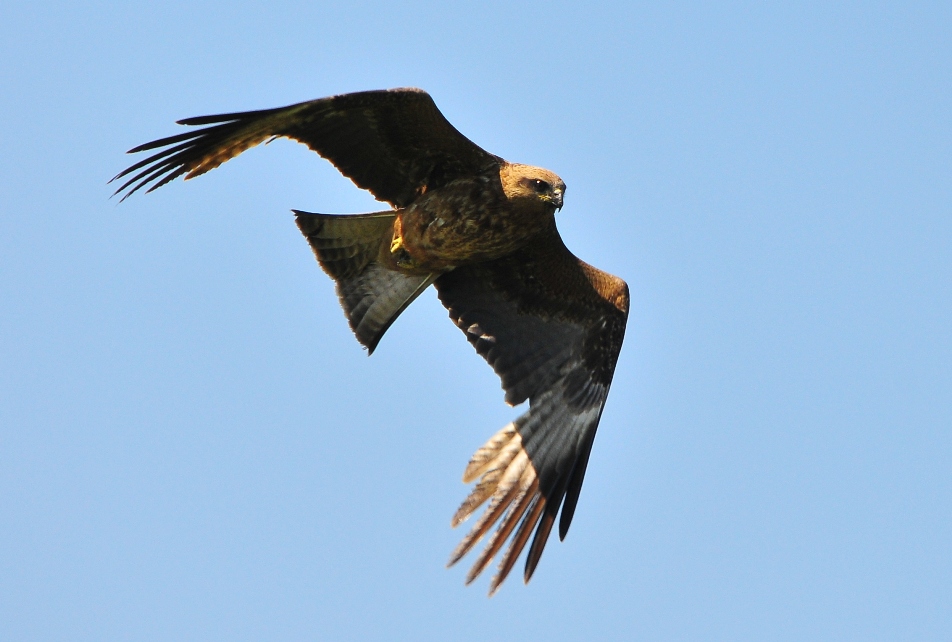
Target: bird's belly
{"type": "Point", "coordinates": [439, 238]}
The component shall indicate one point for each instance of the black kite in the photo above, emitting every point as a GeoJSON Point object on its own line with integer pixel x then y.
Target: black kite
{"type": "Point", "coordinates": [482, 230]}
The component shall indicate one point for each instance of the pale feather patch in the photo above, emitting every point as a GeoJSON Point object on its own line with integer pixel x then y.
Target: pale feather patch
{"type": "Point", "coordinates": [483, 458]}
{"type": "Point", "coordinates": [489, 463]}
{"type": "Point", "coordinates": [505, 491]}
{"type": "Point", "coordinates": [528, 490]}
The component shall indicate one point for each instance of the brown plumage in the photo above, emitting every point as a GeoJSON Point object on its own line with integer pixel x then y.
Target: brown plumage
{"type": "Point", "coordinates": [482, 230]}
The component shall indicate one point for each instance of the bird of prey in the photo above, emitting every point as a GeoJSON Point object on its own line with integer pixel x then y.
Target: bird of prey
{"type": "Point", "coordinates": [482, 231]}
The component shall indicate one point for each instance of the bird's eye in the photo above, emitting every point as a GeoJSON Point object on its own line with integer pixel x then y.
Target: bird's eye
{"type": "Point", "coordinates": [540, 186]}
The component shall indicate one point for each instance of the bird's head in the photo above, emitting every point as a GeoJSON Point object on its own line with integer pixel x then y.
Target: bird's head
{"type": "Point", "coordinates": [532, 185]}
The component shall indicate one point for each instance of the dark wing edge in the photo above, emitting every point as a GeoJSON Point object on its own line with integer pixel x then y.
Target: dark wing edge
{"type": "Point", "coordinates": [394, 143]}
{"type": "Point", "coordinates": [551, 326]}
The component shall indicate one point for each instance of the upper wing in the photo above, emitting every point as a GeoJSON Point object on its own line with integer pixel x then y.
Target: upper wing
{"type": "Point", "coordinates": [551, 326]}
{"type": "Point", "coordinates": [394, 143]}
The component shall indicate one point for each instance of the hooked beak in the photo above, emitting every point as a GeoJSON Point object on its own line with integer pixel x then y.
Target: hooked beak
{"type": "Point", "coordinates": [557, 199]}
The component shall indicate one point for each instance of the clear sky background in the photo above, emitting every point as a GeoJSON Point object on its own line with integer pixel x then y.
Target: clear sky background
{"type": "Point", "coordinates": [194, 447]}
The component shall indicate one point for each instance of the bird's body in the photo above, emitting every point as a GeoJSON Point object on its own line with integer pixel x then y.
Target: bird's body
{"type": "Point", "coordinates": [478, 218]}
{"type": "Point", "coordinates": [482, 230]}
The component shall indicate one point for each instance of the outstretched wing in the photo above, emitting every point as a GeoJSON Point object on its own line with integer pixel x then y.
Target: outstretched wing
{"type": "Point", "coordinates": [551, 326]}
{"type": "Point", "coordinates": [394, 143]}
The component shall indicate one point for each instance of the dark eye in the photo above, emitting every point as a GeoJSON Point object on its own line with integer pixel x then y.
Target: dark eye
{"type": "Point", "coordinates": [540, 186]}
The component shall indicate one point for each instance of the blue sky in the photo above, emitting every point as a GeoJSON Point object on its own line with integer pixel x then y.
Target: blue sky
{"type": "Point", "coordinates": [193, 446]}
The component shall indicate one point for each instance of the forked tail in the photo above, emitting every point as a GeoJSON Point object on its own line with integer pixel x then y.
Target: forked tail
{"type": "Point", "coordinates": [349, 247]}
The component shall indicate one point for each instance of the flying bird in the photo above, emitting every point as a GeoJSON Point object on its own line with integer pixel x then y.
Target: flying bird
{"type": "Point", "coordinates": [482, 231]}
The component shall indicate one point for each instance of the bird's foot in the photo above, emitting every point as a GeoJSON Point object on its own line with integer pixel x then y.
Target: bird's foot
{"type": "Point", "coordinates": [396, 244]}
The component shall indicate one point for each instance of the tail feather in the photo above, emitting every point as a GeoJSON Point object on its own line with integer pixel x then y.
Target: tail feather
{"type": "Point", "coordinates": [372, 293]}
